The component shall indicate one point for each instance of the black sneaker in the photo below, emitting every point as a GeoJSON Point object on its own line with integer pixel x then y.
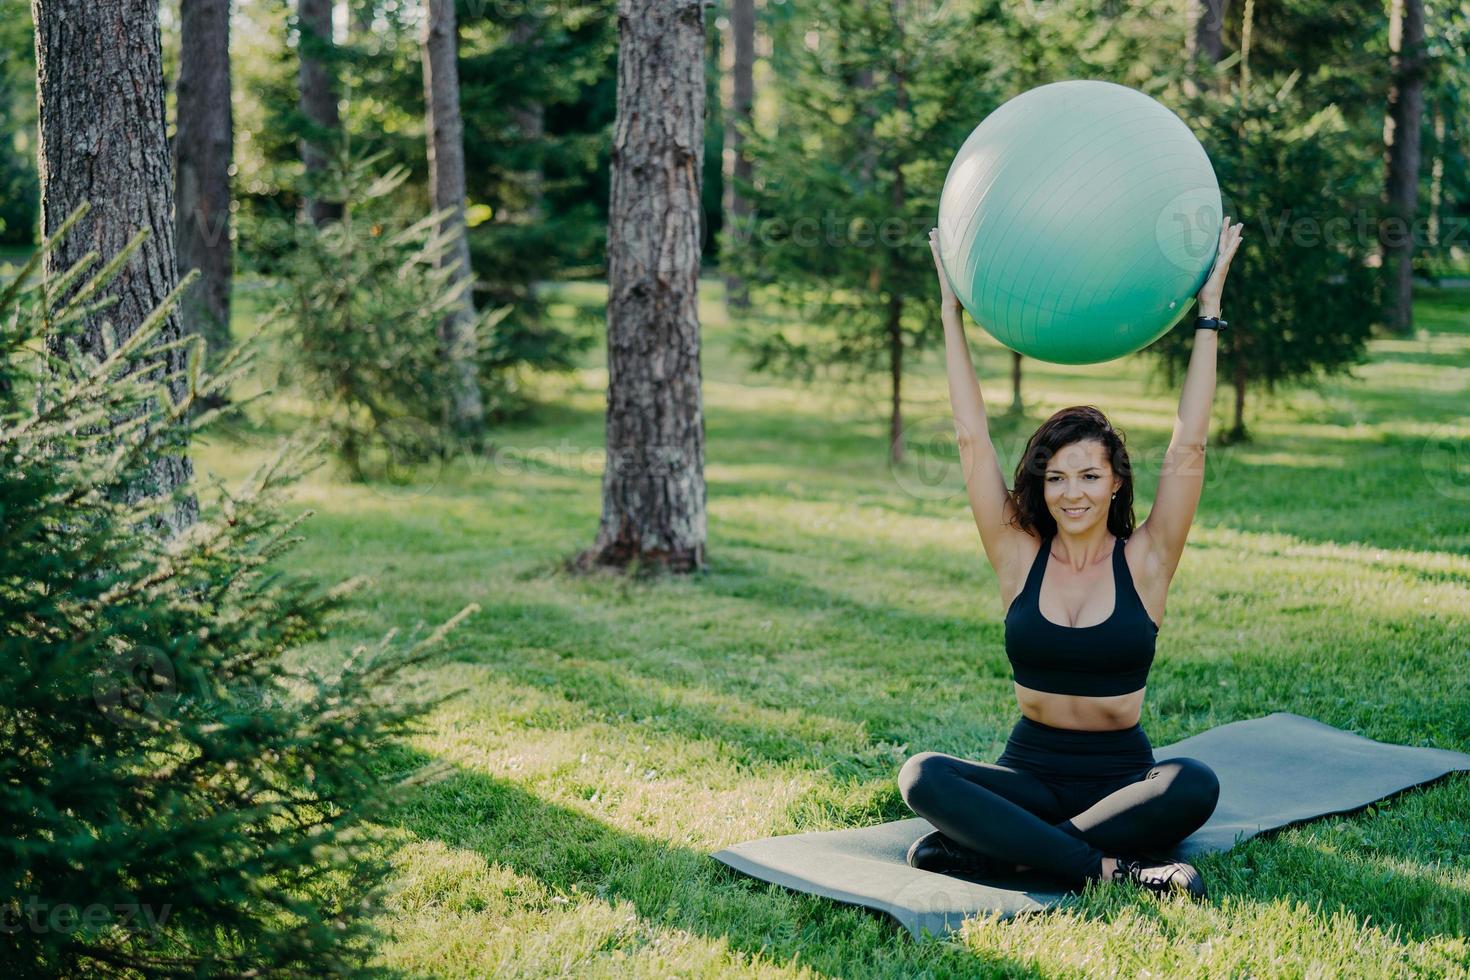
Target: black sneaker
{"type": "Point", "coordinates": [942, 855]}
{"type": "Point", "coordinates": [1163, 877]}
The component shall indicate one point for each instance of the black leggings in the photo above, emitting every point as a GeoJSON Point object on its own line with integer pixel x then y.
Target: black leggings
{"type": "Point", "coordinates": [1059, 799]}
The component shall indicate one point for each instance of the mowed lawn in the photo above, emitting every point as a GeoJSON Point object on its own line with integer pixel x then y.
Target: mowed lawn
{"type": "Point", "coordinates": [611, 734]}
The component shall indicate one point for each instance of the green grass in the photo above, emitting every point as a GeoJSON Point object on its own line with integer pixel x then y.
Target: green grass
{"type": "Point", "coordinates": [614, 733]}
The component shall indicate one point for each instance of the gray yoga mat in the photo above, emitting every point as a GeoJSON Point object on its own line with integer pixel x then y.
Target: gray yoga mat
{"type": "Point", "coordinates": [1274, 771]}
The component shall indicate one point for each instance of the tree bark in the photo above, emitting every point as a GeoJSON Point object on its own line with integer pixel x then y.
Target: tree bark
{"type": "Point", "coordinates": [1017, 406]}
{"type": "Point", "coordinates": [653, 489]}
{"type": "Point", "coordinates": [895, 302]}
{"type": "Point", "coordinates": [446, 178]}
{"type": "Point", "coordinates": [99, 90]}
{"type": "Point", "coordinates": [363, 12]}
{"type": "Point", "coordinates": [1209, 24]}
{"type": "Point", "coordinates": [318, 101]}
{"type": "Point", "coordinates": [1203, 41]}
{"type": "Point", "coordinates": [530, 120]}
{"type": "Point", "coordinates": [1237, 431]}
{"type": "Point", "coordinates": [1401, 180]}
{"type": "Point", "coordinates": [896, 448]}
{"type": "Point", "coordinates": [203, 150]}
{"type": "Point", "coordinates": [736, 164]}
{"type": "Point", "coordinates": [1436, 177]}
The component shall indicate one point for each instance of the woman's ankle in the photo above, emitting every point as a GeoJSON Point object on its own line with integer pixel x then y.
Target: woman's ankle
{"type": "Point", "coordinates": [1109, 868]}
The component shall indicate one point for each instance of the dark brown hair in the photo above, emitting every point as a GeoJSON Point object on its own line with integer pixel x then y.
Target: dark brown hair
{"type": "Point", "coordinates": [1076, 424]}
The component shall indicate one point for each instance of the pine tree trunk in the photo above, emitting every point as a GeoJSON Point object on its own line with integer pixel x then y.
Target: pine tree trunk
{"type": "Point", "coordinates": [363, 12]}
{"type": "Point", "coordinates": [99, 89]}
{"type": "Point", "coordinates": [1208, 33]}
{"type": "Point", "coordinates": [1401, 183]}
{"type": "Point", "coordinates": [1203, 41]}
{"type": "Point", "coordinates": [896, 448]}
{"type": "Point", "coordinates": [318, 101]}
{"type": "Point", "coordinates": [203, 150]}
{"type": "Point", "coordinates": [530, 120]}
{"type": "Point", "coordinates": [895, 302]}
{"type": "Point", "coordinates": [653, 490]}
{"type": "Point", "coordinates": [1237, 431]}
{"type": "Point", "coordinates": [446, 178]}
{"type": "Point", "coordinates": [1017, 406]}
{"type": "Point", "coordinates": [736, 163]}
{"type": "Point", "coordinates": [1436, 177]}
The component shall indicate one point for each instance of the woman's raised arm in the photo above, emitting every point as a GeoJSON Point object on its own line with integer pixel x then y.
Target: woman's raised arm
{"type": "Point", "coordinates": [1182, 477]}
{"type": "Point", "coordinates": [1005, 545]}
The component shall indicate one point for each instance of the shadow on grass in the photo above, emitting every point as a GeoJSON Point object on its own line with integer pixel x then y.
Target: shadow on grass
{"type": "Point", "coordinates": [757, 710]}
{"type": "Point", "coordinates": [669, 886]}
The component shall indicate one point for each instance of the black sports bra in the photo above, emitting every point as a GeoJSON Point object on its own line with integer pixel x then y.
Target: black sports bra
{"type": "Point", "coordinates": [1108, 658]}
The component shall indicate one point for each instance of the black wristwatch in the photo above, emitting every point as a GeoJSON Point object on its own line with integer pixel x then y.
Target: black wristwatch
{"type": "Point", "coordinates": [1210, 323]}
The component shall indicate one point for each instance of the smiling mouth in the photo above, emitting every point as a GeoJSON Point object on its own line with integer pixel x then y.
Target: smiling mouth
{"type": "Point", "coordinates": [1074, 511]}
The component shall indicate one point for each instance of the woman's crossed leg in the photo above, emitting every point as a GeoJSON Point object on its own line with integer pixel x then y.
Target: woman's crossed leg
{"type": "Point", "coordinates": [1015, 817]}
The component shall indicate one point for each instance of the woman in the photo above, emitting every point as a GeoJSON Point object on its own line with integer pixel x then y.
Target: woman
{"type": "Point", "coordinates": [1077, 791]}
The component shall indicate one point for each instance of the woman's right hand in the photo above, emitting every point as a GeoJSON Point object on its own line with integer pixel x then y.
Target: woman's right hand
{"type": "Point", "coordinates": [946, 294]}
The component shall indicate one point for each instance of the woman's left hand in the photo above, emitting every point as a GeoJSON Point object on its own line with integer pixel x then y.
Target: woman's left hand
{"type": "Point", "coordinates": [1209, 294]}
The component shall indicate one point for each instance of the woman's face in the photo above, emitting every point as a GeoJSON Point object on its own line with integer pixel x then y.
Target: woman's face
{"type": "Point", "coordinates": [1080, 484]}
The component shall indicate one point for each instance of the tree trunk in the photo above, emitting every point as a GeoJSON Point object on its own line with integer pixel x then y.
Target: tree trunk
{"type": "Point", "coordinates": [1436, 177]}
{"type": "Point", "coordinates": [530, 120]}
{"type": "Point", "coordinates": [896, 448]}
{"type": "Point", "coordinates": [653, 490]}
{"type": "Point", "coordinates": [1401, 183]}
{"type": "Point", "coordinates": [1237, 431]}
{"type": "Point", "coordinates": [363, 12]}
{"type": "Point", "coordinates": [1203, 41]}
{"type": "Point", "coordinates": [1208, 33]}
{"type": "Point", "coordinates": [1017, 406]}
{"type": "Point", "coordinates": [203, 149]}
{"type": "Point", "coordinates": [318, 102]}
{"type": "Point", "coordinates": [103, 140]}
{"type": "Point", "coordinates": [446, 178]}
{"type": "Point", "coordinates": [737, 165]}
{"type": "Point", "coordinates": [895, 301]}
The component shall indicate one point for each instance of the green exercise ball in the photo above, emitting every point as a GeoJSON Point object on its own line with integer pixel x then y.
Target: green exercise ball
{"type": "Point", "coordinates": [1078, 221]}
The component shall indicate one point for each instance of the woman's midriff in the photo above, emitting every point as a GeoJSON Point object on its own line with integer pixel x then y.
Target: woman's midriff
{"type": "Point", "coordinates": [1079, 712]}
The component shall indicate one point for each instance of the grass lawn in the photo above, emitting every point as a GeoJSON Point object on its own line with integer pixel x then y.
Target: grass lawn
{"type": "Point", "coordinates": [612, 734]}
